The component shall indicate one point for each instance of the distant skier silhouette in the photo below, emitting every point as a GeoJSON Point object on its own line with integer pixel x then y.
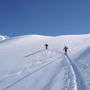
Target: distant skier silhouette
{"type": "Point", "coordinates": [65, 49]}
{"type": "Point", "coordinates": [46, 46]}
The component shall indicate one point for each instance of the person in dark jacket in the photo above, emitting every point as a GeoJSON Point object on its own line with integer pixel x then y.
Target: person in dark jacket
{"type": "Point", "coordinates": [46, 46]}
{"type": "Point", "coordinates": [65, 49]}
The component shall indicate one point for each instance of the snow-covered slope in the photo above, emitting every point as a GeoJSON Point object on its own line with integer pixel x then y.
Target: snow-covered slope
{"type": "Point", "coordinates": [26, 65]}
{"type": "Point", "coordinates": [2, 38]}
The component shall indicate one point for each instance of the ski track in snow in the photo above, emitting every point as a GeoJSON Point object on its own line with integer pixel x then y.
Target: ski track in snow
{"type": "Point", "coordinates": [79, 83]}
{"type": "Point", "coordinates": [71, 77]}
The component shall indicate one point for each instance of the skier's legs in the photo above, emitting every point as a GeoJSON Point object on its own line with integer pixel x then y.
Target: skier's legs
{"type": "Point", "coordinates": [65, 52]}
{"type": "Point", "coordinates": [46, 47]}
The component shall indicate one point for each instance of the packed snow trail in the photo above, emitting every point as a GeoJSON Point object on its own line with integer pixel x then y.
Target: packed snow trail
{"type": "Point", "coordinates": [80, 84]}
{"type": "Point", "coordinates": [70, 77]}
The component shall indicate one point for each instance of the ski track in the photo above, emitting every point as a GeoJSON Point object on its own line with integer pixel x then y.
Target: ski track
{"type": "Point", "coordinates": [69, 78]}
{"type": "Point", "coordinates": [78, 80]}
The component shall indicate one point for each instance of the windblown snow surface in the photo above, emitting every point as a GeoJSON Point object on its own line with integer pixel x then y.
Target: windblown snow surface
{"type": "Point", "coordinates": [2, 38]}
{"type": "Point", "coordinates": [26, 65]}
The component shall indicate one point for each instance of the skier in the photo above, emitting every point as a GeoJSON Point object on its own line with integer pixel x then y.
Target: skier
{"type": "Point", "coordinates": [46, 46]}
{"type": "Point", "coordinates": [65, 49]}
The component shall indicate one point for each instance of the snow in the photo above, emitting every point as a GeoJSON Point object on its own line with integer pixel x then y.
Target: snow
{"type": "Point", "coordinates": [26, 65]}
{"type": "Point", "coordinates": [2, 38]}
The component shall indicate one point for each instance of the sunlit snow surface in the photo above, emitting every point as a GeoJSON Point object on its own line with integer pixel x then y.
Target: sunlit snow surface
{"type": "Point", "coordinates": [26, 65]}
{"type": "Point", "coordinates": [2, 38]}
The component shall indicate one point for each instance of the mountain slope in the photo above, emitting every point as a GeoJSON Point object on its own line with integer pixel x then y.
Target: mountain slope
{"type": "Point", "coordinates": [26, 65]}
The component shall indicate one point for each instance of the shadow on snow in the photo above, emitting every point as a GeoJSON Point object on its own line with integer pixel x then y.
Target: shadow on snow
{"type": "Point", "coordinates": [33, 53]}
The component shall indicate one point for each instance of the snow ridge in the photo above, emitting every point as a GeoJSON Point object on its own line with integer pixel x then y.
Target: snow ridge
{"type": "Point", "coordinates": [2, 38]}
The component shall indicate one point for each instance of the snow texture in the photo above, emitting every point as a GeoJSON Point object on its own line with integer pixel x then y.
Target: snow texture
{"type": "Point", "coordinates": [25, 63]}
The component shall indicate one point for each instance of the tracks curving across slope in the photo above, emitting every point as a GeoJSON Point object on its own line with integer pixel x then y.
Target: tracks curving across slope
{"type": "Point", "coordinates": [79, 83]}
{"type": "Point", "coordinates": [75, 81]}
{"type": "Point", "coordinates": [26, 73]}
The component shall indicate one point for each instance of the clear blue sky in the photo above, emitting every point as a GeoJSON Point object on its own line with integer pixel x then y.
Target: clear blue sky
{"type": "Point", "coordinates": [46, 17]}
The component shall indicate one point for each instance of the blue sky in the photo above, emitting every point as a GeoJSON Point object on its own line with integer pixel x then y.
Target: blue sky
{"type": "Point", "coordinates": [46, 17]}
